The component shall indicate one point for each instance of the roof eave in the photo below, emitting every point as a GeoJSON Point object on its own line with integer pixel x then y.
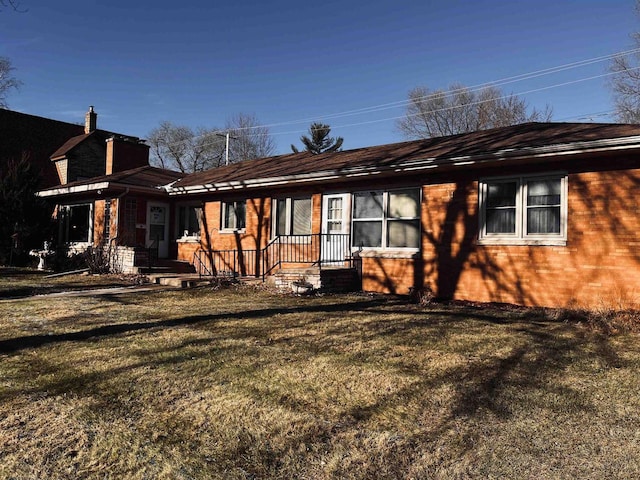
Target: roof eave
{"type": "Point", "coordinates": [96, 187]}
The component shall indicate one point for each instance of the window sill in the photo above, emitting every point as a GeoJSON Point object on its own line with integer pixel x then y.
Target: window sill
{"type": "Point", "coordinates": [188, 240]}
{"type": "Point", "coordinates": [374, 253]}
{"type": "Point", "coordinates": [541, 242]}
{"type": "Point", "coordinates": [227, 231]}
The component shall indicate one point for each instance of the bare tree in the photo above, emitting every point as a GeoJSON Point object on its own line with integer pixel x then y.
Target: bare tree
{"type": "Point", "coordinates": [249, 139]}
{"type": "Point", "coordinates": [193, 150]}
{"type": "Point", "coordinates": [185, 149]}
{"type": "Point", "coordinates": [7, 80]}
{"type": "Point", "coordinates": [625, 82]}
{"type": "Point", "coordinates": [437, 113]}
{"type": "Point", "coordinates": [12, 4]}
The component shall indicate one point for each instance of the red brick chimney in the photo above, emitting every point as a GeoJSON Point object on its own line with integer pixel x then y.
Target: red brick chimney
{"type": "Point", "coordinates": [90, 120]}
{"type": "Point", "coordinates": [125, 153]}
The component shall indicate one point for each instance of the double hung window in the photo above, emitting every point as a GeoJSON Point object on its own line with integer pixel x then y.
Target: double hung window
{"type": "Point", "coordinates": [234, 215]}
{"type": "Point", "coordinates": [526, 210]}
{"type": "Point", "coordinates": [387, 220]}
{"type": "Point", "coordinates": [292, 216]}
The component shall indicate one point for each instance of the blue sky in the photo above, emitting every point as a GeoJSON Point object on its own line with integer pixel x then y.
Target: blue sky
{"type": "Point", "coordinates": [197, 63]}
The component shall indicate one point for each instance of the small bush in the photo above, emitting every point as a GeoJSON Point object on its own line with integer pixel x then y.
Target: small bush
{"type": "Point", "coordinates": [423, 296]}
{"type": "Point", "coordinates": [101, 259]}
{"type": "Point", "coordinates": [62, 261]}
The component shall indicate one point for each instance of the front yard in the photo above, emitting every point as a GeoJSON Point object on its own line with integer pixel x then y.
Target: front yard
{"type": "Point", "coordinates": [240, 383]}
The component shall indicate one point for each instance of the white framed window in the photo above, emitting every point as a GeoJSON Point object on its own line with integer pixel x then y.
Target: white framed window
{"type": "Point", "coordinates": [234, 215]}
{"type": "Point", "coordinates": [386, 219]}
{"type": "Point", "coordinates": [526, 210]}
{"type": "Point", "coordinates": [292, 216]}
{"type": "Point", "coordinates": [76, 223]}
{"type": "Point", "coordinates": [189, 221]}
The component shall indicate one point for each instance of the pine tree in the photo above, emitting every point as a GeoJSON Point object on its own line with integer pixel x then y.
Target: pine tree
{"type": "Point", "coordinates": [319, 140]}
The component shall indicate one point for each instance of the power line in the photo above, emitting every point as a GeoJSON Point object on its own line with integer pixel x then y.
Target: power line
{"type": "Point", "coordinates": [500, 82]}
{"type": "Point", "coordinates": [400, 103]}
{"type": "Point", "coordinates": [526, 92]}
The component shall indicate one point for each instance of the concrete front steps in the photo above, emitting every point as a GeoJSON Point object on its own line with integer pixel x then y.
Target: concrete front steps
{"type": "Point", "coordinates": [178, 280]}
{"type": "Point", "coordinates": [331, 279]}
{"type": "Point", "coordinates": [173, 273]}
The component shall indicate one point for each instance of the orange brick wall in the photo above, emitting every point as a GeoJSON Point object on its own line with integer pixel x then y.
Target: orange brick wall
{"type": "Point", "coordinates": [388, 275]}
{"type": "Point", "coordinates": [258, 225]}
{"type": "Point", "coordinates": [255, 236]}
{"type": "Point", "coordinates": [186, 250]}
{"type": "Point", "coordinates": [599, 266]}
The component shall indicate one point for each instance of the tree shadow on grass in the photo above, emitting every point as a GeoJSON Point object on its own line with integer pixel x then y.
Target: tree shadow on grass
{"type": "Point", "coordinates": [487, 388]}
{"type": "Point", "coordinates": [34, 341]}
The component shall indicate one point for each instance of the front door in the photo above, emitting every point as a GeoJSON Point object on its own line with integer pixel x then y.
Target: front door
{"type": "Point", "coordinates": [158, 228]}
{"type": "Point", "coordinates": [335, 228]}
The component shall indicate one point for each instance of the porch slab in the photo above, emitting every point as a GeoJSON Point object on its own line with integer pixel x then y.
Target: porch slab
{"type": "Point", "coordinates": [177, 280]}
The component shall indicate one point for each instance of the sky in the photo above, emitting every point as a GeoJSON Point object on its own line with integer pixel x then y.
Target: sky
{"type": "Point", "coordinates": [346, 63]}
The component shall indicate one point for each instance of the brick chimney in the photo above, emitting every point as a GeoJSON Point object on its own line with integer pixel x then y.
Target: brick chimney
{"type": "Point", "coordinates": [124, 153]}
{"type": "Point", "coordinates": [90, 120]}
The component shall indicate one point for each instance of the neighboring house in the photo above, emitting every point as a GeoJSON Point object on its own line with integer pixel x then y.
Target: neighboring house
{"type": "Point", "coordinates": [127, 208]}
{"type": "Point", "coordinates": [35, 139]}
{"type": "Point", "coordinates": [535, 214]}
{"type": "Point", "coordinates": [108, 194]}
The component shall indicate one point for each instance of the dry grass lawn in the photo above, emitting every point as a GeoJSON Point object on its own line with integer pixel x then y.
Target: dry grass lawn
{"type": "Point", "coordinates": [20, 282]}
{"type": "Point", "coordinates": [240, 383]}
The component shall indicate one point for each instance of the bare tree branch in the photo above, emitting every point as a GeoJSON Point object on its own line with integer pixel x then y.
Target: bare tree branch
{"type": "Point", "coordinates": [250, 140]}
{"type": "Point", "coordinates": [13, 5]}
{"type": "Point", "coordinates": [193, 150]}
{"type": "Point", "coordinates": [185, 149]}
{"type": "Point", "coordinates": [436, 113]}
{"type": "Point", "coordinates": [7, 80]}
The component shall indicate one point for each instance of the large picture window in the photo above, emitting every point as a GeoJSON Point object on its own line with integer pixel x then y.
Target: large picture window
{"type": "Point", "coordinates": [386, 219]}
{"type": "Point", "coordinates": [524, 210]}
{"type": "Point", "coordinates": [234, 215]}
{"type": "Point", "coordinates": [292, 216]}
{"type": "Point", "coordinates": [76, 224]}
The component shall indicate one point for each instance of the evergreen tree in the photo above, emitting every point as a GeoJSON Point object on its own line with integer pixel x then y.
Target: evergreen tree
{"type": "Point", "coordinates": [319, 140]}
{"type": "Point", "coordinates": [25, 219]}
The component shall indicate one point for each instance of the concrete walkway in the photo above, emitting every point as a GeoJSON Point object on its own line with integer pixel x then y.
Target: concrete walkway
{"type": "Point", "coordinates": [94, 292]}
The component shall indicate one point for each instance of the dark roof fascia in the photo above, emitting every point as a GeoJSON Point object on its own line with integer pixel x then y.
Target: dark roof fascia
{"type": "Point", "coordinates": [97, 187]}
{"type": "Point", "coordinates": [519, 155]}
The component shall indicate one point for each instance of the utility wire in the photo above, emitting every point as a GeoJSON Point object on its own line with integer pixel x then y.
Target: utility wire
{"type": "Point", "coordinates": [400, 103]}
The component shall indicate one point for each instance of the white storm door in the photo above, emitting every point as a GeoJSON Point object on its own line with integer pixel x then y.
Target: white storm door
{"type": "Point", "coordinates": [335, 228]}
{"type": "Point", "coordinates": [158, 228]}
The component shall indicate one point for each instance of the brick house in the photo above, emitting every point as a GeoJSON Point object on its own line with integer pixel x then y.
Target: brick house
{"type": "Point", "coordinates": [35, 139]}
{"type": "Point", "coordinates": [108, 194]}
{"type": "Point", "coordinates": [535, 214]}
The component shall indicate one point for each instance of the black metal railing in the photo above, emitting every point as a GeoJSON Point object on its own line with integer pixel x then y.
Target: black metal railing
{"type": "Point", "coordinates": [320, 249]}
{"type": "Point", "coordinates": [153, 252]}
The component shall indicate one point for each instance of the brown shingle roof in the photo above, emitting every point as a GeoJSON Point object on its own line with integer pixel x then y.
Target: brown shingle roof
{"type": "Point", "coordinates": [514, 140]}
{"type": "Point", "coordinates": [141, 177]}
{"type": "Point", "coordinates": [146, 176]}
{"type": "Point", "coordinates": [70, 145]}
